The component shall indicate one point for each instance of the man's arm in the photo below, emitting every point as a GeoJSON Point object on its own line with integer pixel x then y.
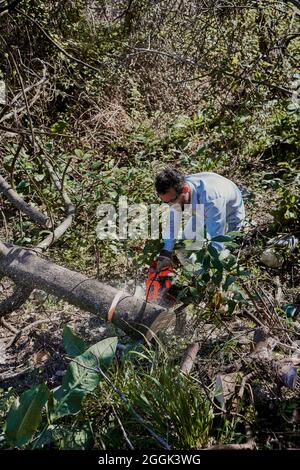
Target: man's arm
{"type": "Point", "coordinates": [171, 228]}
{"type": "Point", "coordinates": [215, 220]}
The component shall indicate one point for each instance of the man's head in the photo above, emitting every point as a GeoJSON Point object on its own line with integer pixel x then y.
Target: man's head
{"type": "Point", "coordinates": [171, 187]}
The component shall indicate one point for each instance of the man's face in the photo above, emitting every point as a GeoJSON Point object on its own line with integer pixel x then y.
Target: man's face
{"type": "Point", "coordinates": [172, 197]}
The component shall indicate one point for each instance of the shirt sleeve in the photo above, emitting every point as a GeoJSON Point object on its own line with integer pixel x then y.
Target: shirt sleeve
{"type": "Point", "coordinates": [215, 220]}
{"type": "Point", "coordinates": [171, 228]}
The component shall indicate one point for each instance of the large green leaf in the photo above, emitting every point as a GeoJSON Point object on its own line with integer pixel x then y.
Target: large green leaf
{"type": "Point", "coordinates": [221, 238]}
{"type": "Point", "coordinates": [213, 252]}
{"type": "Point", "coordinates": [25, 415]}
{"type": "Point", "coordinates": [217, 278]}
{"type": "Point", "coordinates": [79, 380]}
{"type": "Point", "coordinates": [229, 280]}
{"type": "Point", "coordinates": [75, 438]}
{"type": "Point", "coordinates": [74, 345]}
{"type": "Point", "coordinates": [229, 262]}
{"type": "Point", "coordinates": [206, 262]}
{"type": "Point", "coordinates": [65, 437]}
{"type": "Point", "coordinates": [217, 264]}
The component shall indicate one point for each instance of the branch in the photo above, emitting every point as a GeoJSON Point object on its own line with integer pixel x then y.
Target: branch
{"type": "Point", "coordinates": [296, 3]}
{"type": "Point", "coordinates": [24, 96]}
{"type": "Point", "coordinates": [71, 209]}
{"type": "Point", "coordinates": [12, 168]}
{"type": "Point", "coordinates": [175, 57]}
{"type": "Point", "coordinates": [189, 357]}
{"type": "Point", "coordinates": [55, 43]}
{"type": "Point", "coordinates": [131, 313]}
{"type": "Point", "coordinates": [249, 445]}
{"type": "Point", "coordinates": [22, 293]}
{"type": "Point", "coordinates": [19, 333]}
{"type": "Point", "coordinates": [20, 204]}
{"type": "Point", "coordinates": [123, 430]}
{"type": "Point", "coordinates": [36, 131]}
{"type": "Point", "coordinates": [3, 116]}
{"type": "Point", "coordinates": [9, 8]}
{"type": "Point", "coordinates": [8, 326]}
{"type": "Point", "coordinates": [15, 300]}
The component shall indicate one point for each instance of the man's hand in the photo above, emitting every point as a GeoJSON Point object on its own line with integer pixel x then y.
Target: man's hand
{"type": "Point", "coordinates": [164, 260]}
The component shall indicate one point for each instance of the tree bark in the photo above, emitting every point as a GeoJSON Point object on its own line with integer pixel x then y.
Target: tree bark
{"type": "Point", "coordinates": [189, 357]}
{"type": "Point", "coordinates": [20, 204]}
{"type": "Point", "coordinates": [296, 3]}
{"type": "Point", "coordinates": [29, 270]}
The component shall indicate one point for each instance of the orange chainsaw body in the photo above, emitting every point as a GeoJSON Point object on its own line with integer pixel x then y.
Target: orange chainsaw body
{"type": "Point", "coordinates": [158, 282]}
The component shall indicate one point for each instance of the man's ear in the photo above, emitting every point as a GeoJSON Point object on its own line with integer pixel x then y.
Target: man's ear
{"type": "Point", "coordinates": [186, 189]}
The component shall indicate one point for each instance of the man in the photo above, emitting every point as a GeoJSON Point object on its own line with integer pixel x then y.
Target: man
{"type": "Point", "coordinates": [215, 199]}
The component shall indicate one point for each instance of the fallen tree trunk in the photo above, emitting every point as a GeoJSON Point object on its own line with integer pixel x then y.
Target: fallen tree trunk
{"type": "Point", "coordinates": [124, 310]}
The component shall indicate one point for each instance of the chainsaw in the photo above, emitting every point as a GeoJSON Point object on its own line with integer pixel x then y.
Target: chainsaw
{"type": "Point", "coordinates": [159, 288]}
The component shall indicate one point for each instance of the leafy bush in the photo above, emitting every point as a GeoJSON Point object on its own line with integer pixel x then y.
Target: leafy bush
{"type": "Point", "coordinates": [287, 213]}
{"type": "Point", "coordinates": [26, 419]}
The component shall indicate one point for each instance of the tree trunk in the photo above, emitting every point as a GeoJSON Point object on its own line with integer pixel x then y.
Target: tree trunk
{"type": "Point", "coordinates": [130, 313]}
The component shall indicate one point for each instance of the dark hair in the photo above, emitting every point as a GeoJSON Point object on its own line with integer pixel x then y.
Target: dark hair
{"type": "Point", "coordinates": [167, 179]}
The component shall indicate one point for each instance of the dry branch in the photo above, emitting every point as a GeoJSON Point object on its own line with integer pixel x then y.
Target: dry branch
{"type": "Point", "coordinates": [61, 229]}
{"type": "Point", "coordinates": [282, 370]}
{"type": "Point", "coordinates": [4, 9]}
{"type": "Point", "coordinates": [5, 117]}
{"type": "Point", "coordinates": [249, 445]}
{"type": "Point", "coordinates": [20, 204]}
{"type": "Point", "coordinates": [55, 43]}
{"type": "Point", "coordinates": [21, 293]}
{"type": "Point", "coordinates": [23, 131]}
{"type": "Point", "coordinates": [15, 300]}
{"type": "Point", "coordinates": [189, 358]}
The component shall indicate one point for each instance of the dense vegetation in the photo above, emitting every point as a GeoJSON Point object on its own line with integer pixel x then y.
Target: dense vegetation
{"type": "Point", "coordinates": [106, 94]}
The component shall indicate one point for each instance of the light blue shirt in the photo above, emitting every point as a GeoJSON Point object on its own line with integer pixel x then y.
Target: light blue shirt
{"type": "Point", "coordinates": [222, 207]}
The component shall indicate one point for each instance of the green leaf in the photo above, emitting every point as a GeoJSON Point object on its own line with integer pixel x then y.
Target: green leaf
{"type": "Point", "coordinates": [200, 255]}
{"type": "Point", "coordinates": [79, 380]}
{"type": "Point", "coordinates": [239, 297]}
{"type": "Point", "coordinates": [64, 437]}
{"type": "Point", "coordinates": [25, 415]}
{"type": "Point", "coordinates": [74, 345]}
{"type": "Point", "coordinates": [189, 268]}
{"type": "Point", "coordinates": [58, 127]}
{"type": "Point", "coordinates": [222, 238]}
{"type": "Point", "coordinates": [39, 177]}
{"type": "Point", "coordinates": [23, 184]}
{"type": "Point", "coordinates": [193, 291]}
{"type": "Point", "coordinates": [206, 277]}
{"type": "Point", "coordinates": [229, 262]}
{"type": "Point", "coordinates": [78, 439]}
{"type": "Point", "coordinates": [245, 273]}
{"type": "Point", "coordinates": [234, 234]}
{"type": "Point", "coordinates": [73, 439]}
{"type": "Point", "coordinates": [206, 262]}
{"type": "Point", "coordinates": [96, 165]}
{"type": "Point", "coordinates": [231, 306]}
{"type": "Point", "coordinates": [229, 280]}
{"type": "Point", "coordinates": [217, 264]}
{"type": "Point", "coordinates": [79, 153]}
{"type": "Point", "coordinates": [217, 278]}
{"type": "Point", "coordinates": [213, 251]}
